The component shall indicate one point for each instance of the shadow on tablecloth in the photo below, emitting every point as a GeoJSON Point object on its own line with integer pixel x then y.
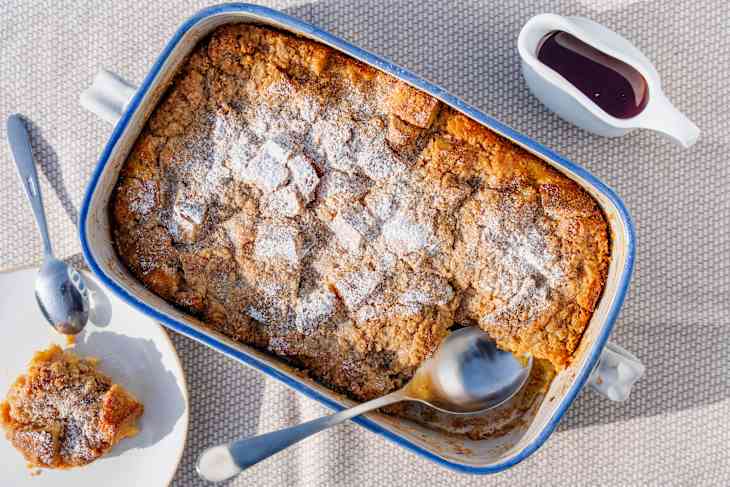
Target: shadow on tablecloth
{"type": "Point", "coordinates": [219, 410]}
{"type": "Point", "coordinates": [117, 352]}
{"type": "Point", "coordinates": [49, 164]}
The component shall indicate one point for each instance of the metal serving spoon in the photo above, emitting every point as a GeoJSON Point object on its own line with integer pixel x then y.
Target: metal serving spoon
{"type": "Point", "coordinates": [59, 289]}
{"type": "Point", "coordinates": [468, 374]}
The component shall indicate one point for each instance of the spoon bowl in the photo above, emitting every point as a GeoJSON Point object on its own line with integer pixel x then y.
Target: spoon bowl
{"type": "Point", "coordinates": [468, 374]}
{"type": "Point", "coordinates": [62, 296]}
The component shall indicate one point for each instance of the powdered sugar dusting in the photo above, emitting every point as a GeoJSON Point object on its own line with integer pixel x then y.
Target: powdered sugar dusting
{"type": "Point", "coordinates": [428, 289]}
{"type": "Point", "coordinates": [279, 241]}
{"type": "Point", "coordinates": [329, 213]}
{"type": "Point", "coordinates": [314, 207]}
{"type": "Point", "coordinates": [404, 235]}
{"type": "Point", "coordinates": [145, 200]}
{"type": "Point", "coordinates": [284, 202]}
{"type": "Point", "coordinates": [354, 226]}
{"type": "Point", "coordinates": [354, 288]}
{"type": "Point", "coordinates": [267, 170]}
{"type": "Point", "coordinates": [524, 268]}
{"type": "Point", "coordinates": [315, 309]}
{"type": "Point", "coordinates": [304, 176]}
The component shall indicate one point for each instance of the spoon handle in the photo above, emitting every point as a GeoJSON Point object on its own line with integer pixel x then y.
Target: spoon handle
{"type": "Point", "coordinates": [218, 463]}
{"type": "Point", "coordinates": [20, 146]}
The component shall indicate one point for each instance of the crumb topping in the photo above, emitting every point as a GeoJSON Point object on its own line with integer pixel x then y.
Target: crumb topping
{"type": "Point", "coordinates": [298, 200]}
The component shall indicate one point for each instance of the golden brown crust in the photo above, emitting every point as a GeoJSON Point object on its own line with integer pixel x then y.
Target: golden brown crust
{"type": "Point", "coordinates": [64, 413]}
{"type": "Point", "coordinates": [301, 201]}
{"type": "Point", "coordinates": [413, 106]}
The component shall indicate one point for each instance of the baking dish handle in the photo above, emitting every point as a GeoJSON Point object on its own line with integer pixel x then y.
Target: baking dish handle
{"type": "Point", "coordinates": [108, 95]}
{"type": "Point", "coordinates": [616, 373]}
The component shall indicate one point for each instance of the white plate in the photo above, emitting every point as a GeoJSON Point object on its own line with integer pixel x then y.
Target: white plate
{"type": "Point", "coordinates": [134, 351]}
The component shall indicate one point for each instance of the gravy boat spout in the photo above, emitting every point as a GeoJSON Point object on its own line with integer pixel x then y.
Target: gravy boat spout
{"type": "Point", "coordinates": [567, 101]}
{"type": "Point", "coordinates": [661, 116]}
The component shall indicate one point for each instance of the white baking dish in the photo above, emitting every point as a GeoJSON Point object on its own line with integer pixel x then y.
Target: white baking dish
{"type": "Point", "coordinates": [610, 369]}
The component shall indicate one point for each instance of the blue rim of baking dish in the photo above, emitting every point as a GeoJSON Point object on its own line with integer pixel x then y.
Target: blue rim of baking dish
{"type": "Point", "coordinates": [269, 14]}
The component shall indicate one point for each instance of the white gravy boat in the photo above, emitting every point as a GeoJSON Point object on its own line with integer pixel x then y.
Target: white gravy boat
{"type": "Point", "coordinates": [560, 96]}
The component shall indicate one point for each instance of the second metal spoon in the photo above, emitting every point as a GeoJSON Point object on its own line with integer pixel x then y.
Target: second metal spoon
{"type": "Point", "coordinates": [468, 374]}
{"type": "Point", "coordinates": [59, 288]}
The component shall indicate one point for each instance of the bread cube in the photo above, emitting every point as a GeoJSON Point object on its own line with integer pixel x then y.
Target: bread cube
{"type": "Point", "coordinates": [353, 225]}
{"type": "Point", "coordinates": [279, 241]}
{"type": "Point", "coordinates": [304, 176]}
{"type": "Point", "coordinates": [412, 105]}
{"type": "Point", "coordinates": [284, 202]}
{"type": "Point", "coordinates": [267, 170]}
{"type": "Point", "coordinates": [356, 286]}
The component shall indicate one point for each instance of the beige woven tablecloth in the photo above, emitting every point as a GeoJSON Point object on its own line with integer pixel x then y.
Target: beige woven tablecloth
{"type": "Point", "coordinates": [673, 430]}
